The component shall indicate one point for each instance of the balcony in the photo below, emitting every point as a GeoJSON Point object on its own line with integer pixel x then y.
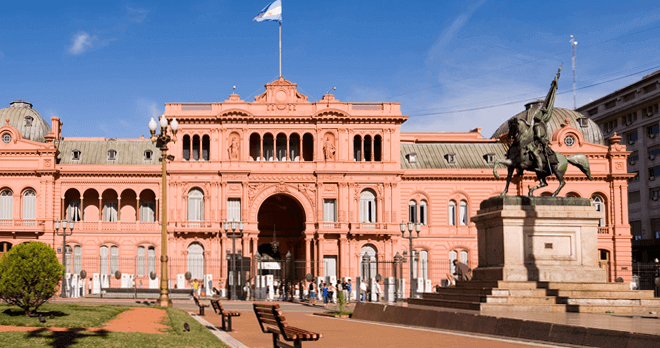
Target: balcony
{"type": "Point", "coordinates": [603, 230]}
{"type": "Point", "coordinates": [116, 226]}
{"type": "Point", "coordinates": [194, 227]}
{"type": "Point", "coordinates": [22, 225]}
{"type": "Point", "coordinates": [330, 227]}
{"type": "Point", "coordinates": [375, 228]}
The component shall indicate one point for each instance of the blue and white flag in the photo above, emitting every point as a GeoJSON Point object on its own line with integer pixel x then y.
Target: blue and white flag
{"type": "Point", "coordinates": [272, 12]}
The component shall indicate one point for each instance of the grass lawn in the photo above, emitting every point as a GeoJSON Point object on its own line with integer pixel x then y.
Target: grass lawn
{"type": "Point", "coordinates": [94, 316]}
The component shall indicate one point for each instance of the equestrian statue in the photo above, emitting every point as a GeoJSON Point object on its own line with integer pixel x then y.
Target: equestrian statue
{"type": "Point", "coordinates": [530, 149]}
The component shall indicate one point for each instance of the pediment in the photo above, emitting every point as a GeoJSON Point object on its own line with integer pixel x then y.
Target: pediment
{"type": "Point", "coordinates": [281, 91]}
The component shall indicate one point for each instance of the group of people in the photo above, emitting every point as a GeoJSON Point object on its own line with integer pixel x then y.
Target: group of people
{"type": "Point", "coordinates": [329, 292]}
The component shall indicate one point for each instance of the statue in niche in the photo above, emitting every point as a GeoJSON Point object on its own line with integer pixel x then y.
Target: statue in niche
{"type": "Point", "coordinates": [329, 149]}
{"type": "Point", "coordinates": [234, 148]}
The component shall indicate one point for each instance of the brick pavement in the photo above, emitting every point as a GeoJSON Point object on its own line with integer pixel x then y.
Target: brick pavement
{"type": "Point", "coordinates": [350, 333]}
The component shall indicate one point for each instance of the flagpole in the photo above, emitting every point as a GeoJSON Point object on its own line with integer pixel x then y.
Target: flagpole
{"type": "Point", "coordinates": [280, 48]}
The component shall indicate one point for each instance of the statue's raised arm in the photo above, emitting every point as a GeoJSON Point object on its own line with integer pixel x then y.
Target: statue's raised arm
{"type": "Point", "coordinates": [549, 103]}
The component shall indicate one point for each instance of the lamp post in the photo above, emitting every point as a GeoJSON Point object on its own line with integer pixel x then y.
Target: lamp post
{"type": "Point", "coordinates": [416, 227]}
{"type": "Point", "coordinates": [161, 141]}
{"type": "Point", "coordinates": [233, 237]}
{"type": "Point", "coordinates": [63, 234]}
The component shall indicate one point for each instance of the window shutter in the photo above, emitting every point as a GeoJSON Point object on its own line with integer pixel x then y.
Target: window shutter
{"type": "Point", "coordinates": [151, 259]}
{"type": "Point", "coordinates": [104, 260]}
{"type": "Point", "coordinates": [140, 261]}
{"type": "Point", "coordinates": [29, 206]}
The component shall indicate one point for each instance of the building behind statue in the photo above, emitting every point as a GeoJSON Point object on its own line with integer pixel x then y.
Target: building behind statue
{"type": "Point", "coordinates": [327, 181]}
{"type": "Point", "coordinates": [632, 112]}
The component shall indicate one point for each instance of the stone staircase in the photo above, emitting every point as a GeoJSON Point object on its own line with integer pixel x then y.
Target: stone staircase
{"type": "Point", "coordinates": [493, 296]}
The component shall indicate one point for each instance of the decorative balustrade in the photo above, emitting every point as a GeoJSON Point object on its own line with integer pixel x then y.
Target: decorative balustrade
{"type": "Point", "coordinates": [369, 226]}
{"type": "Point", "coordinates": [23, 225]}
{"type": "Point", "coordinates": [116, 226]}
{"type": "Point", "coordinates": [603, 230]}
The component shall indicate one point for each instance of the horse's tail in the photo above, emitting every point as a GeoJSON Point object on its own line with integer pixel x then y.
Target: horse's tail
{"type": "Point", "coordinates": [581, 162]}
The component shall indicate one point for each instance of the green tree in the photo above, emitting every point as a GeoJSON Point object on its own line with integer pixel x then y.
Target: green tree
{"type": "Point", "coordinates": [29, 275]}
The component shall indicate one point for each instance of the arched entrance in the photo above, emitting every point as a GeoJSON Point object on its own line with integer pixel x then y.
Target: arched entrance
{"type": "Point", "coordinates": [281, 222]}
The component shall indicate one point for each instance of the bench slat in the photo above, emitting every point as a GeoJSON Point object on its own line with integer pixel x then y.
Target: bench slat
{"type": "Point", "coordinates": [272, 320]}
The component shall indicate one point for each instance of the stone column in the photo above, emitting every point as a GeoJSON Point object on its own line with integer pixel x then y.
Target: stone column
{"type": "Point", "coordinates": [118, 209]}
{"type": "Point", "coordinates": [100, 208]}
{"type": "Point", "coordinates": [321, 240]}
{"type": "Point", "coordinates": [287, 148]}
{"type": "Point", "coordinates": [361, 149]}
{"type": "Point", "coordinates": [308, 255]}
{"type": "Point", "coordinates": [343, 256]}
{"type": "Point", "coordinates": [261, 147]}
{"type": "Point", "coordinates": [373, 150]}
{"type": "Point", "coordinates": [137, 209]}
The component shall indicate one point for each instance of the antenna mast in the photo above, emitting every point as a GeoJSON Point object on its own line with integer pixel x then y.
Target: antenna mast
{"type": "Point", "coordinates": [573, 44]}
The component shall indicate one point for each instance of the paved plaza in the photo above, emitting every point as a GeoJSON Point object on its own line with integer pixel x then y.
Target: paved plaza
{"type": "Point", "coordinates": [359, 333]}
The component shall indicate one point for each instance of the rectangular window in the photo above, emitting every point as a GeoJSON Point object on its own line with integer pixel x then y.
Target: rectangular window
{"type": "Point", "coordinates": [29, 206]}
{"type": "Point", "coordinates": [234, 209]}
{"type": "Point", "coordinates": [412, 212]}
{"type": "Point", "coordinates": [593, 112]}
{"type": "Point", "coordinates": [654, 193]}
{"type": "Point", "coordinates": [610, 104]}
{"type": "Point", "coordinates": [6, 206]}
{"type": "Point", "coordinates": [140, 261]}
{"type": "Point", "coordinates": [633, 158]}
{"type": "Point", "coordinates": [636, 228]}
{"type": "Point", "coordinates": [422, 213]}
{"type": "Point", "coordinates": [631, 137]}
{"type": "Point", "coordinates": [633, 197]}
{"type": "Point", "coordinates": [654, 151]}
{"type": "Point", "coordinates": [104, 260]}
{"type": "Point", "coordinates": [330, 210]}
{"type": "Point", "coordinates": [147, 211]}
{"type": "Point", "coordinates": [649, 88]}
{"type": "Point", "coordinates": [654, 172]}
{"type": "Point", "coordinates": [652, 130]}
{"type": "Point", "coordinates": [634, 178]}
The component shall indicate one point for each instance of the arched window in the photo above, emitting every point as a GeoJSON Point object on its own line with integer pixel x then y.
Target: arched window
{"type": "Point", "coordinates": [453, 255]}
{"type": "Point", "coordinates": [195, 205]}
{"type": "Point", "coordinates": [104, 259]}
{"type": "Point", "coordinates": [110, 211]}
{"type": "Point", "coordinates": [423, 213]}
{"type": "Point", "coordinates": [357, 148]}
{"type": "Point", "coordinates": [451, 213]}
{"type": "Point", "coordinates": [463, 213]}
{"type": "Point", "coordinates": [6, 206]}
{"type": "Point", "coordinates": [423, 264]}
{"type": "Point", "coordinates": [308, 147]}
{"type": "Point", "coordinates": [140, 261]}
{"type": "Point", "coordinates": [367, 148]}
{"type": "Point", "coordinates": [195, 148]}
{"type": "Point", "coordinates": [378, 148]}
{"type": "Point", "coordinates": [186, 147]}
{"type": "Point", "coordinates": [463, 257]}
{"type": "Point", "coordinates": [77, 259]}
{"type": "Point", "coordinates": [294, 147]}
{"type": "Point", "coordinates": [268, 147]}
{"type": "Point", "coordinates": [367, 206]}
{"type": "Point", "coordinates": [255, 147]}
{"type": "Point", "coordinates": [206, 144]}
{"type": "Point", "coordinates": [29, 205]}
{"type": "Point", "coordinates": [597, 202]}
{"type": "Point", "coordinates": [370, 269]}
{"type": "Point", "coordinates": [412, 211]}
{"type": "Point", "coordinates": [280, 146]}
{"type": "Point", "coordinates": [195, 260]}
{"type": "Point", "coordinates": [151, 260]}
{"type": "Point", "coordinates": [114, 259]}
{"type": "Point", "coordinates": [73, 211]}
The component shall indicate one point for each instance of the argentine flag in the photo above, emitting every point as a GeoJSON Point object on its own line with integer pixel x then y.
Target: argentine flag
{"type": "Point", "coordinates": [272, 12]}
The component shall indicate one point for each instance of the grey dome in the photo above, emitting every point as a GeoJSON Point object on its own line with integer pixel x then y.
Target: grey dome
{"type": "Point", "coordinates": [19, 114]}
{"type": "Point", "coordinates": [590, 131]}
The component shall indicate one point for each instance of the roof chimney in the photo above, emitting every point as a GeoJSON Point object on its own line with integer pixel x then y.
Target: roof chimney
{"type": "Point", "coordinates": [20, 104]}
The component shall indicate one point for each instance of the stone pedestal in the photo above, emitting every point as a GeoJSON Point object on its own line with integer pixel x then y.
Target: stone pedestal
{"type": "Point", "coordinates": [538, 239]}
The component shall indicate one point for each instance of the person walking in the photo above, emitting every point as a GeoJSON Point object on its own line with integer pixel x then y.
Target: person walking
{"type": "Point", "coordinates": [363, 291]}
{"type": "Point", "coordinates": [312, 293]}
{"type": "Point", "coordinates": [377, 292]}
{"type": "Point", "coordinates": [348, 287]}
{"type": "Point", "coordinates": [325, 295]}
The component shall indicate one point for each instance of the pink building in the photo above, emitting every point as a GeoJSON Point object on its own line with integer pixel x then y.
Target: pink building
{"type": "Point", "coordinates": [330, 181]}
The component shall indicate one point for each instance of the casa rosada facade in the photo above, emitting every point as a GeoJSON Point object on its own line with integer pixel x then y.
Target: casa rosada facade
{"type": "Point", "coordinates": [330, 181]}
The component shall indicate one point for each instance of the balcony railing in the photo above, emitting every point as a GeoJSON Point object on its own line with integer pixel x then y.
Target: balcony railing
{"type": "Point", "coordinates": [22, 225]}
{"type": "Point", "coordinates": [603, 230]}
{"type": "Point", "coordinates": [369, 226]}
{"type": "Point", "coordinates": [116, 226]}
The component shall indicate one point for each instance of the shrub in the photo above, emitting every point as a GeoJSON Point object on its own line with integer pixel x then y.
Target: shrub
{"type": "Point", "coordinates": [29, 275]}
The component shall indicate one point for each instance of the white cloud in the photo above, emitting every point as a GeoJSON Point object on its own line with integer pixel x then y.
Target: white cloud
{"type": "Point", "coordinates": [136, 15]}
{"type": "Point", "coordinates": [81, 42]}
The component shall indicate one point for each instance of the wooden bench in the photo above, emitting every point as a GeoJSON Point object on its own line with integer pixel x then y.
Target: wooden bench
{"type": "Point", "coordinates": [201, 306]}
{"type": "Point", "coordinates": [272, 321]}
{"type": "Point", "coordinates": [226, 315]}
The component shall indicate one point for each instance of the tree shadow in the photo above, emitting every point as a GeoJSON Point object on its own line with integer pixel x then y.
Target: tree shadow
{"type": "Point", "coordinates": [21, 313]}
{"type": "Point", "coordinates": [63, 339]}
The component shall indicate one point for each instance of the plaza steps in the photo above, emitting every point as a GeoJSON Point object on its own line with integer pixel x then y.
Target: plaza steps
{"type": "Point", "coordinates": [493, 296]}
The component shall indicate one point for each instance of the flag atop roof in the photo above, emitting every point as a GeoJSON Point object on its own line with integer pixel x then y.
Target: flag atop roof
{"type": "Point", "coordinates": [272, 12]}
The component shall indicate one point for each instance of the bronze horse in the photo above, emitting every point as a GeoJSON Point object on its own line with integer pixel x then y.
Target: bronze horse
{"type": "Point", "coordinates": [519, 157]}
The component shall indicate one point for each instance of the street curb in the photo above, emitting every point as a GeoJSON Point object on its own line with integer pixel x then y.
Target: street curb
{"type": "Point", "coordinates": [223, 336]}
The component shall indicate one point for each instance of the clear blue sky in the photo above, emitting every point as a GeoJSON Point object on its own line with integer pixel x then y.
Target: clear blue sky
{"type": "Point", "coordinates": [105, 68]}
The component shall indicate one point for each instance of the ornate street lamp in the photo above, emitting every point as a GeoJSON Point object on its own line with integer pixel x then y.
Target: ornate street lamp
{"type": "Point", "coordinates": [416, 227]}
{"type": "Point", "coordinates": [64, 234]}
{"type": "Point", "coordinates": [233, 237]}
{"type": "Point", "coordinates": [161, 141]}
